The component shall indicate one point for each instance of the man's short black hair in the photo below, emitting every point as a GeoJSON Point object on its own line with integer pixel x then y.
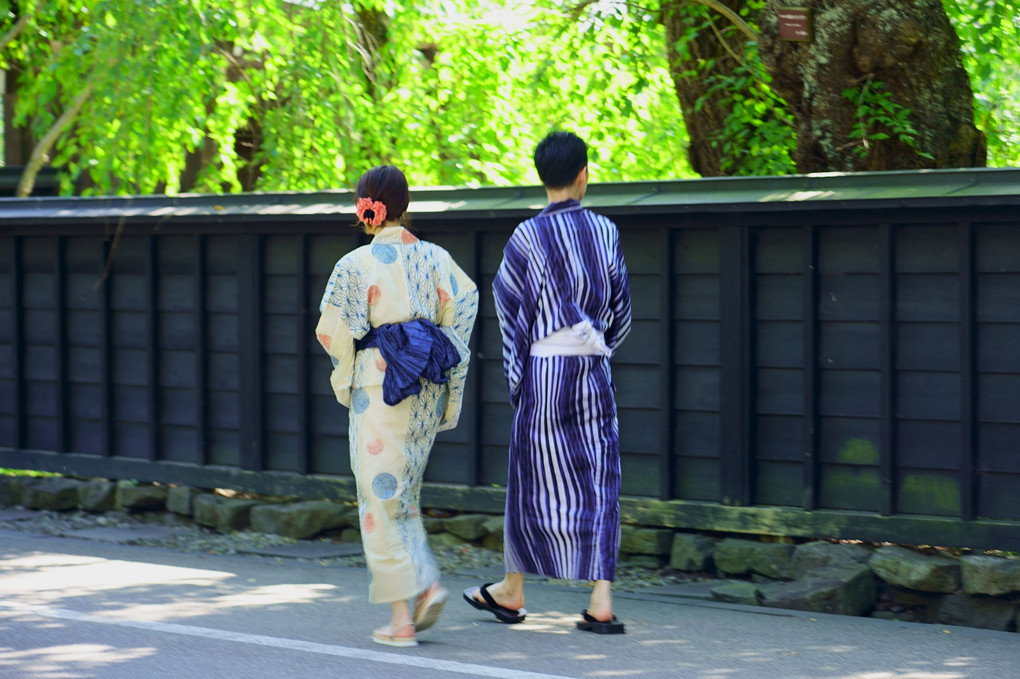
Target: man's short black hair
{"type": "Point", "coordinates": [558, 159]}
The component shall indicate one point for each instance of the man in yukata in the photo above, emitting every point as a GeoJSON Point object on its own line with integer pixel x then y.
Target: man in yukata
{"type": "Point", "coordinates": [563, 303]}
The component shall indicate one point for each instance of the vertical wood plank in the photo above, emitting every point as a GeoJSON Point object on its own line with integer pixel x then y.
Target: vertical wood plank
{"type": "Point", "coordinates": [60, 343]}
{"type": "Point", "coordinates": [302, 364]}
{"type": "Point", "coordinates": [736, 379]}
{"type": "Point", "coordinates": [152, 335]}
{"type": "Point", "coordinates": [17, 344]}
{"type": "Point", "coordinates": [887, 351]}
{"type": "Point", "coordinates": [667, 359]}
{"type": "Point", "coordinates": [968, 376]}
{"type": "Point", "coordinates": [198, 305]}
{"type": "Point", "coordinates": [249, 283]}
{"type": "Point", "coordinates": [810, 367]}
{"type": "Point", "coordinates": [473, 387]}
{"type": "Point", "coordinates": [105, 350]}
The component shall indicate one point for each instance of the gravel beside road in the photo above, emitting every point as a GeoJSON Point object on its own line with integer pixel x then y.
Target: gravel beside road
{"type": "Point", "coordinates": [190, 537]}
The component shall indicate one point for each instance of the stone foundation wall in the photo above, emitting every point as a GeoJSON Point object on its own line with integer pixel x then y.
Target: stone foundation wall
{"type": "Point", "coordinates": [929, 585]}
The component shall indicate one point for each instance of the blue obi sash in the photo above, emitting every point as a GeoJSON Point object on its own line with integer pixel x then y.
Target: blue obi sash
{"type": "Point", "coordinates": [412, 350]}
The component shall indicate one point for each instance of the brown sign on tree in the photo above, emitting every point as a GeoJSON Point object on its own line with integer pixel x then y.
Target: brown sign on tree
{"type": "Point", "coordinates": [794, 24]}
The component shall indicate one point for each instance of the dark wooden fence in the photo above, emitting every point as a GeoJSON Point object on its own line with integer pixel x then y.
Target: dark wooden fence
{"type": "Point", "coordinates": [825, 356]}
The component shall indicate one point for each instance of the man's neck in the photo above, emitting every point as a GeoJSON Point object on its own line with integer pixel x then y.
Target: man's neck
{"type": "Point", "coordinates": [560, 195]}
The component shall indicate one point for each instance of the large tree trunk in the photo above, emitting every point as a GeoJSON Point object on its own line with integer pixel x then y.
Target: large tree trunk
{"type": "Point", "coordinates": [373, 34]}
{"type": "Point", "coordinates": [687, 67]}
{"type": "Point", "coordinates": [910, 47]}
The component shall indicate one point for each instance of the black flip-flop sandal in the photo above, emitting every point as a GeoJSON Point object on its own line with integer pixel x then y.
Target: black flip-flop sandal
{"type": "Point", "coordinates": [505, 615]}
{"type": "Point", "coordinates": [590, 624]}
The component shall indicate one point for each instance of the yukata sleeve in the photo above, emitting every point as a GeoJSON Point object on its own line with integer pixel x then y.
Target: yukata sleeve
{"type": "Point", "coordinates": [343, 319]}
{"type": "Point", "coordinates": [457, 312]}
{"type": "Point", "coordinates": [515, 292]}
{"type": "Point", "coordinates": [620, 298]}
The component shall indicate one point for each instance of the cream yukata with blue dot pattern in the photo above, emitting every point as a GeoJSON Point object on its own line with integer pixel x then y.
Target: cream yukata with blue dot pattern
{"type": "Point", "coordinates": [394, 279]}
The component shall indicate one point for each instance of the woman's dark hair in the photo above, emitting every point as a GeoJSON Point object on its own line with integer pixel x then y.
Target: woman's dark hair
{"type": "Point", "coordinates": [387, 184]}
{"type": "Point", "coordinates": [559, 157]}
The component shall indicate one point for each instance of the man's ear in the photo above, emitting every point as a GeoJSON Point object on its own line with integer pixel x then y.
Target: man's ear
{"type": "Point", "coordinates": [582, 177]}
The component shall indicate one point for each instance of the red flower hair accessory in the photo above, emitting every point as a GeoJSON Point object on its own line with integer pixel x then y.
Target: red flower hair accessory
{"type": "Point", "coordinates": [371, 211]}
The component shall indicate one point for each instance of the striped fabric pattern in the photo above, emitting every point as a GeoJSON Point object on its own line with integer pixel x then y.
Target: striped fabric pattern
{"type": "Point", "coordinates": [562, 510]}
{"type": "Point", "coordinates": [560, 268]}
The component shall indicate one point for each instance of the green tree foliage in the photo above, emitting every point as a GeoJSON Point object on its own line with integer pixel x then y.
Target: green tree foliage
{"type": "Point", "coordinates": [229, 95]}
{"type": "Point", "coordinates": [989, 32]}
{"type": "Point", "coordinates": [235, 94]}
{"type": "Point", "coordinates": [879, 118]}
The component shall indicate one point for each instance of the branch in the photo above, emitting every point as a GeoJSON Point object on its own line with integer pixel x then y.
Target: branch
{"type": "Point", "coordinates": [734, 18]}
{"type": "Point", "coordinates": [35, 162]}
{"type": "Point", "coordinates": [577, 10]}
{"type": "Point", "coordinates": [724, 43]}
{"type": "Point", "coordinates": [15, 31]}
{"type": "Point", "coordinates": [244, 74]}
{"type": "Point", "coordinates": [729, 14]}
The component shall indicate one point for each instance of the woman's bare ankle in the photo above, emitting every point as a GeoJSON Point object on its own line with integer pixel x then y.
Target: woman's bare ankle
{"type": "Point", "coordinates": [430, 590]}
{"type": "Point", "coordinates": [401, 629]}
{"type": "Point", "coordinates": [507, 595]}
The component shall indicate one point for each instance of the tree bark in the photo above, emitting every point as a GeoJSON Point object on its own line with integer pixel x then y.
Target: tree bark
{"type": "Point", "coordinates": [910, 47]}
{"type": "Point", "coordinates": [687, 68]}
{"type": "Point", "coordinates": [373, 34]}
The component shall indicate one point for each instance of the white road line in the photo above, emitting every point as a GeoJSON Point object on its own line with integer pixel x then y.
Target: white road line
{"type": "Point", "coordinates": [277, 642]}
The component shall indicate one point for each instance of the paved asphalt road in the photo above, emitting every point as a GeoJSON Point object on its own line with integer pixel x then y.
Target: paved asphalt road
{"type": "Point", "coordinates": [71, 609]}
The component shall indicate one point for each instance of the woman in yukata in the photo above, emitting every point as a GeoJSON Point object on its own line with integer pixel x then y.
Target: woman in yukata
{"type": "Point", "coordinates": [563, 302]}
{"type": "Point", "coordinates": [397, 315]}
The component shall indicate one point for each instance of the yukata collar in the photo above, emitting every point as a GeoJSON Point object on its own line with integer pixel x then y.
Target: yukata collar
{"type": "Point", "coordinates": [391, 234]}
{"type": "Point", "coordinates": [562, 206]}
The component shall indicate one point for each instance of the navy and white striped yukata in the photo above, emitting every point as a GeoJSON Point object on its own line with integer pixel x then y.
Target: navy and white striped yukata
{"type": "Point", "coordinates": [562, 269]}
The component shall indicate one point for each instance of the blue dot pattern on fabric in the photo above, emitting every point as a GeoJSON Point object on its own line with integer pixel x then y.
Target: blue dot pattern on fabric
{"type": "Point", "coordinates": [384, 485]}
{"type": "Point", "coordinates": [453, 285]}
{"type": "Point", "coordinates": [359, 401]}
{"type": "Point", "coordinates": [387, 254]}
